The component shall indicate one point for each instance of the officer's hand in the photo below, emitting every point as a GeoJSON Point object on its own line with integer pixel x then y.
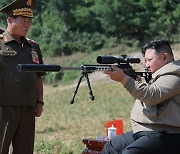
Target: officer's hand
{"type": "Point", "coordinates": [38, 110]}
{"type": "Point", "coordinates": [117, 75]}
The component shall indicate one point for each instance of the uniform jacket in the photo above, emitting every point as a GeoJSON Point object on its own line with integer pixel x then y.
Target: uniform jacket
{"type": "Point", "coordinates": [157, 105]}
{"type": "Point", "coordinates": [18, 88]}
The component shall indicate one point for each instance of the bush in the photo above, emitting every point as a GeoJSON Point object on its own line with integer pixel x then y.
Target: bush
{"type": "Point", "coordinates": [79, 42]}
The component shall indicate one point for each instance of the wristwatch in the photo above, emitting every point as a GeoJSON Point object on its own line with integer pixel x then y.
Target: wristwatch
{"type": "Point", "coordinates": [40, 102]}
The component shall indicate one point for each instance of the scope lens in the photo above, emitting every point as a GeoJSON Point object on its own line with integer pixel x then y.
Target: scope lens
{"type": "Point", "coordinates": [99, 59]}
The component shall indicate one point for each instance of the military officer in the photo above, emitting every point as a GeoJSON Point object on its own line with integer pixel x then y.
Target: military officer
{"type": "Point", "coordinates": [21, 94]}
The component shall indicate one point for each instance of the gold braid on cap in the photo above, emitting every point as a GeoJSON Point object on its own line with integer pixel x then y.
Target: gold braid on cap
{"type": "Point", "coordinates": [23, 12]}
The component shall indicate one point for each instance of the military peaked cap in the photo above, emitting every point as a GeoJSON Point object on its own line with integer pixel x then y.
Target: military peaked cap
{"type": "Point", "coordinates": [19, 8]}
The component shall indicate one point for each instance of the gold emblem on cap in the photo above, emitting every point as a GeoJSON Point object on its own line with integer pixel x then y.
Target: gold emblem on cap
{"type": "Point", "coordinates": [29, 2]}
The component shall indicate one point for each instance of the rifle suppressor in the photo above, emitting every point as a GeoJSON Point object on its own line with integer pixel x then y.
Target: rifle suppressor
{"type": "Point", "coordinates": [38, 68]}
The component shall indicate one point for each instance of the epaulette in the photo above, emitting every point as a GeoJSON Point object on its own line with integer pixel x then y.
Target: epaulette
{"type": "Point", "coordinates": [31, 41]}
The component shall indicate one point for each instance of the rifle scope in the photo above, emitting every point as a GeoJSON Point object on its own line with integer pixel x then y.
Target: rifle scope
{"type": "Point", "coordinates": [112, 60]}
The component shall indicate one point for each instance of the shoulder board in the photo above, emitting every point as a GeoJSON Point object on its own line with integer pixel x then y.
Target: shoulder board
{"type": "Point", "coordinates": [31, 41]}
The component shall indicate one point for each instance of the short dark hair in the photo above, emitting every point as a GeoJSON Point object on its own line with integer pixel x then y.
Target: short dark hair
{"type": "Point", "coordinates": [158, 45]}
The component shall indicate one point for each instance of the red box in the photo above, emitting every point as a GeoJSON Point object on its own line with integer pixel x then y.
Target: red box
{"type": "Point", "coordinates": [116, 123]}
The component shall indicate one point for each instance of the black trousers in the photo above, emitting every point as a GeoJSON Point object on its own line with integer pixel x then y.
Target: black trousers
{"type": "Point", "coordinates": [150, 142]}
{"type": "Point", "coordinates": [17, 126]}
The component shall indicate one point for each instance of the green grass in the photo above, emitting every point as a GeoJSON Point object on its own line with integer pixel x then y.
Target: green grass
{"type": "Point", "coordinates": [62, 126]}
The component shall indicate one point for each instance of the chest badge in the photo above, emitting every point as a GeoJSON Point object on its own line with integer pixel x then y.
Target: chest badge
{"type": "Point", "coordinates": [35, 57]}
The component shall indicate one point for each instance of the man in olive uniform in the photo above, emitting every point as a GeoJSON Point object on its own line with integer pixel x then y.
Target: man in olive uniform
{"type": "Point", "coordinates": [21, 93]}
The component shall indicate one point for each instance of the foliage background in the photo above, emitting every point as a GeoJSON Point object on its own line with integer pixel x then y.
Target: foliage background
{"type": "Point", "coordinates": [63, 27]}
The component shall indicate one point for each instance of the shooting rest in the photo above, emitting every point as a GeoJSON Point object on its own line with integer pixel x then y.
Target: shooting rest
{"type": "Point", "coordinates": [93, 146]}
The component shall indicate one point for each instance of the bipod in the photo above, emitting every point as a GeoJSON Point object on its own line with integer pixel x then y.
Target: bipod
{"type": "Point", "coordinates": [83, 74]}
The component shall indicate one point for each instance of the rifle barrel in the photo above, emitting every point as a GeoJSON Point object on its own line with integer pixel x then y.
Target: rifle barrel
{"type": "Point", "coordinates": [70, 68]}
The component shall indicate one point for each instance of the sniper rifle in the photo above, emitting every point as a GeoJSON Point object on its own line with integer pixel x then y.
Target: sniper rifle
{"type": "Point", "coordinates": [105, 61]}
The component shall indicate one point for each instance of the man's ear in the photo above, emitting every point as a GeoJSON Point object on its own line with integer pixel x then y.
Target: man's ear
{"type": "Point", "coordinates": [9, 20]}
{"type": "Point", "coordinates": [165, 56]}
